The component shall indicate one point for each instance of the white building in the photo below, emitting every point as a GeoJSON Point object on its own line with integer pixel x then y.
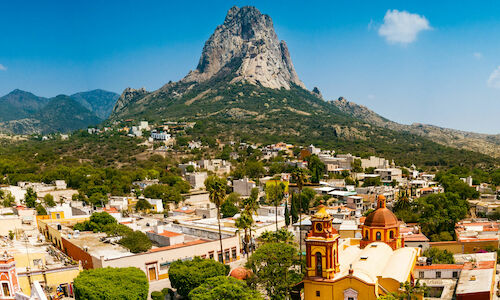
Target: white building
{"type": "Point", "coordinates": [390, 174]}
{"type": "Point", "coordinates": [243, 186]}
{"type": "Point", "coordinates": [197, 179]}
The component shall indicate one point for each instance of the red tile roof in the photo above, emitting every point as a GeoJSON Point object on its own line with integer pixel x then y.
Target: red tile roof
{"type": "Point", "coordinates": [439, 267]}
{"type": "Point", "coordinates": [167, 233]}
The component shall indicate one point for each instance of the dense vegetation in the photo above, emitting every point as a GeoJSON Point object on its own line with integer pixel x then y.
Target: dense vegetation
{"type": "Point", "coordinates": [438, 213]}
{"type": "Point", "coordinates": [187, 275]}
{"type": "Point", "coordinates": [222, 287]}
{"type": "Point", "coordinates": [111, 283]}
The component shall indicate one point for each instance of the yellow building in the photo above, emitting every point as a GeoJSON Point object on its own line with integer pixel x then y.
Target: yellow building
{"type": "Point", "coordinates": [45, 264]}
{"type": "Point", "coordinates": [344, 271]}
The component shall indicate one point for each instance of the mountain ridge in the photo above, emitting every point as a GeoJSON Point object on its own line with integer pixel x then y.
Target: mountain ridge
{"type": "Point", "coordinates": [25, 113]}
{"type": "Point", "coordinates": [484, 143]}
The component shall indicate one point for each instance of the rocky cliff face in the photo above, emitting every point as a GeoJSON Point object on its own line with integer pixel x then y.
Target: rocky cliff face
{"type": "Point", "coordinates": [246, 45]}
{"type": "Point", "coordinates": [129, 95]}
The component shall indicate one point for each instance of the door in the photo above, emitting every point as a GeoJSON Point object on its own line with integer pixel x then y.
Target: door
{"type": "Point", "coordinates": [152, 273]}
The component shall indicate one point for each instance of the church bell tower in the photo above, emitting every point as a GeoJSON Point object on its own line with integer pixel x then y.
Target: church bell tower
{"type": "Point", "coordinates": [322, 246]}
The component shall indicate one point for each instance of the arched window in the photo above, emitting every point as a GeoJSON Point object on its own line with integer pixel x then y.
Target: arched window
{"type": "Point", "coordinates": [379, 236]}
{"type": "Point", "coordinates": [366, 234]}
{"type": "Point", "coordinates": [391, 234]}
{"type": "Point", "coordinates": [319, 265]}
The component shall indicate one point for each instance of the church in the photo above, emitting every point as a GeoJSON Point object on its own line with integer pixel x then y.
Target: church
{"type": "Point", "coordinates": [357, 269]}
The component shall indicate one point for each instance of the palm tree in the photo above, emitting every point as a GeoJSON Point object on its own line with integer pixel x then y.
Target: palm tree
{"type": "Point", "coordinates": [299, 176]}
{"type": "Point", "coordinates": [250, 205]}
{"type": "Point", "coordinates": [216, 188]}
{"type": "Point", "coordinates": [245, 222]}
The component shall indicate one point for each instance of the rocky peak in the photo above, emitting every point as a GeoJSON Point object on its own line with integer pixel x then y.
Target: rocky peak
{"type": "Point", "coordinates": [129, 95]}
{"type": "Point", "coordinates": [246, 45]}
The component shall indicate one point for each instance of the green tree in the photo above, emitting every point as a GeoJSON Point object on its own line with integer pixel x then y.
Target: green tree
{"type": "Point", "coordinates": [280, 236]}
{"type": "Point", "coordinates": [287, 215]}
{"type": "Point", "coordinates": [244, 222]}
{"type": "Point", "coordinates": [299, 176]}
{"type": "Point", "coordinates": [250, 206]}
{"type": "Point", "coordinates": [49, 200]}
{"type": "Point", "coordinates": [440, 212]}
{"type": "Point", "coordinates": [7, 199]}
{"type": "Point", "coordinates": [371, 181]}
{"type": "Point", "coordinates": [317, 168]}
{"type": "Point", "coordinates": [216, 188]}
{"type": "Point", "coordinates": [356, 166]}
{"type": "Point", "coordinates": [111, 283]}
{"type": "Point", "coordinates": [224, 288]}
{"type": "Point", "coordinates": [30, 198]}
{"type": "Point", "coordinates": [275, 191]}
{"type": "Point", "coordinates": [229, 208]}
{"type": "Point", "coordinates": [156, 295]}
{"type": "Point", "coordinates": [439, 256]}
{"type": "Point", "coordinates": [136, 241]}
{"type": "Point", "coordinates": [142, 205]}
{"type": "Point", "coordinates": [307, 196]}
{"type": "Point", "coordinates": [190, 274]}
{"type": "Point", "coordinates": [275, 266]}
{"type": "Point", "coordinates": [40, 210]}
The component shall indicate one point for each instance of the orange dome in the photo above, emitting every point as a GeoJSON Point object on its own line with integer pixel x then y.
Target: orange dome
{"type": "Point", "coordinates": [382, 216]}
{"type": "Point", "coordinates": [240, 273]}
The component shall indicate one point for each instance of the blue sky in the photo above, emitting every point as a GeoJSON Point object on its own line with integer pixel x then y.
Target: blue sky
{"type": "Point", "coordinates": [417, 61]}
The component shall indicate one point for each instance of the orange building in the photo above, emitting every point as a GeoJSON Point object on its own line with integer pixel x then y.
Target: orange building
{"type": "Point", "coordinates": [381, 226]}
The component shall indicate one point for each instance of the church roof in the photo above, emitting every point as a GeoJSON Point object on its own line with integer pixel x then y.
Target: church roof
{"type": "Point", "coordinates": [382, 216]}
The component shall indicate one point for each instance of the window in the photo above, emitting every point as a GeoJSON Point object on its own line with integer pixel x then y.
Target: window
{"type": "Point", "coordinates": [391, 234]}
{"type": "Point", "coordinates": [211, 255]}
{"type": "Point", "coordinates": [421, 274]}
{"type": "Point", "coordinates": [233, 253]}
{"type": "Point", "coordinates": [319, 227]}
{"type": "Point", "coordinates": [378, 236]}
{"type": "Point", "coordinates": [318, 294]}
{"type": "Point", "coordinates": [366, 234]}
{"type": "Point", "coordinates": [5, 289]}
{"type": "Point", "coordinates": [438, 274]}
{"type": "Point", "coordinates": [319, 265]}
{"type": "Point", "coordinates": [221, 259]}
{"type": "Point", "coordinates": [455, 274]}
{"type": "Point", "coordinates": [226, 255]}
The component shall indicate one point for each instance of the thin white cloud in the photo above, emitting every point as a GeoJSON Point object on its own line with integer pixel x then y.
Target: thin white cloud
{"type": "Point", "coordinates": [494, 79]}
{"type": "Point", "coordinates": [402, 27]}
{"type": "Point", "coordinates": [3, 68]}
{"type": "Point", "coordinates": [478, 55]}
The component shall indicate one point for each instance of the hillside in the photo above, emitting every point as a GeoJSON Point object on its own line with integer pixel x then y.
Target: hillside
{"type": "Point", "coordinates": [100, 102]}
{"type": "Point", "coordinates": [25, 113]}
{"type": "Point", "coordinates": [245, 88]}
{"type": "Point", "coordinates": [19, 105]}
{"type": "Point", "coordinates": [483, 143]}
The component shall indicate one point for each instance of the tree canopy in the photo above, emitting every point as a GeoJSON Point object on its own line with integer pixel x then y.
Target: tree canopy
{"type": "Point", "coordinates": [111, 283]}
{"type": "Point", "coordinates": [187, 275]}
{"type": "Point", "coordinates": [224, 288]}
{"type": "Point", "coordinates": [276, 268]}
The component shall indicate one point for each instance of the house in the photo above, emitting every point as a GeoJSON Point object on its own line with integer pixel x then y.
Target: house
{"type": "Point", "coordinates": [197, 179]}
{"type": "Point", "coordinates": [389, 174]}
{"type": "Point", "coordinates": [243, 186]}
